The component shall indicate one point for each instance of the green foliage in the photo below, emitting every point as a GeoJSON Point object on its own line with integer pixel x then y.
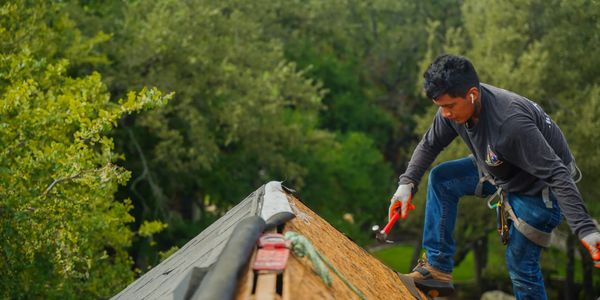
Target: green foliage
{"type": "Point", "coordinates": [46, 32]}
{"type": "Point", "coordinates": [347, 176]}
{"type": "Point", "coordinates": [165, 254]}
{"type": "Point", "coordinates": [265, 89]}
{"type": "Point", "coordinates": [149, 228]}
{"type": "Point", "coordinates": [241, 110]}
{"type": "Point", "coordinates": [62, 234]}
{"type": "Point", "coordinates": [347, 108]}
{"type": "Point", "coordinates": [366, 54]}
{"type": "Point", "coordinates": [580, 117]}
{"type": "Point", "coordinates": [239, 103]}
{"type": "Point", "coordinates": [58, 216]}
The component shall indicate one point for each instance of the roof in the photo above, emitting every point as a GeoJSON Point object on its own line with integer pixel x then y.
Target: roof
{"type": "Point", "coordinates": [174, 277]}
{"type": "Point", "coordinates": [369, 275]}
{"type": "Point", "coordinates": [202, 251]}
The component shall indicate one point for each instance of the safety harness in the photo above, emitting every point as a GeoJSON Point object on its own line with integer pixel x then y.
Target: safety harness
{"type": "Point", "coordinates": [504, 210]}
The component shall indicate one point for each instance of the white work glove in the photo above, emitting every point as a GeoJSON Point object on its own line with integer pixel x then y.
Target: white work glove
{"type": "Point", "coordinates": [401, 200]}
{"type": "Point", "coordinates": [592, 243]}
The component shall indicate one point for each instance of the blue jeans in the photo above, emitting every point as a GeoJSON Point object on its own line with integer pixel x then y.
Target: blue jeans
{"type": "Point", "coordinates": [453, 179]}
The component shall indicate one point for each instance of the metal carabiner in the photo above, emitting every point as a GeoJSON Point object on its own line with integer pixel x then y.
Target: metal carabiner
{"type": "Point", "coordinates": [502, 220]}
{"type": "Point", "coordinates": [492, 197]}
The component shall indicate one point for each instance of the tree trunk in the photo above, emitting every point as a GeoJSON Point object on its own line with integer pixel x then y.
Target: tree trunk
{"type": "Point", "coordinates": [587, 270]}
{"type": "Point", "coordinates": [570, 292]}
{"type": "Point", "coordinates": [461, 253]}
{"type": "Point", "coordinates": [480, 256]}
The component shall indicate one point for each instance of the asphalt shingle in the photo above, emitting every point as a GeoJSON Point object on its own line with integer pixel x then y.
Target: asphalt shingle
{"type": "Point", "coordinates": [202, 251]}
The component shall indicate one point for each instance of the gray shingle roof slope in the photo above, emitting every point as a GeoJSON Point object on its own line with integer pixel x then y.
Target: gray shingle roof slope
{"type": "Point", "coordinates": [201, 251]}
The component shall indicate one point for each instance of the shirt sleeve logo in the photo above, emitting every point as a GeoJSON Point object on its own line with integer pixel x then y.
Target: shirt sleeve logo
{"type": "Point", "coordinates": [491, 158]}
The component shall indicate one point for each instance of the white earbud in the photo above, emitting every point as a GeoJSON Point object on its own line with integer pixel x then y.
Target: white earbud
{"type": "Point", "coordinates": [472, 99]}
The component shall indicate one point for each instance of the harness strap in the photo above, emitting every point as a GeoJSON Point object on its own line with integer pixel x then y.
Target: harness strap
{"type": "Point", "coordinates": [483, 177]}
{"type": "Point", "coordinates": [535, 235]}
{"type": "Point", "coordinates": [539, 237]}
{"type": "Point", "coordinates": [546, 197]}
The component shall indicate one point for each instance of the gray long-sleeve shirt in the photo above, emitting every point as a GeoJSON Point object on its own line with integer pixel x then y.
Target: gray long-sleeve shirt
{"type": "Point", "coordinates": [518, 144]}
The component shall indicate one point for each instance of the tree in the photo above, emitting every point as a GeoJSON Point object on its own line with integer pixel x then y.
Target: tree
{"type": "Point", "coordinates": [244, 114]}
{"type": "Point", "coordinates": [240, 110]}
{"type": "Point", "coordinates": [366, 54]}
{"type": "Point", "coordinates": [346, 177]}
{"type": "Point", "coordinates": [62, 234]}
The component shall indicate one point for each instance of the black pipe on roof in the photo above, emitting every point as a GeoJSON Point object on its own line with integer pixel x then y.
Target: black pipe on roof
{"type": "Point", "coordinates": [221, 280]}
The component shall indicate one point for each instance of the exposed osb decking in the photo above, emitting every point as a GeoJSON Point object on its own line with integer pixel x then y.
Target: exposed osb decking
{"type": "Point", "coordinates": [364, 271]}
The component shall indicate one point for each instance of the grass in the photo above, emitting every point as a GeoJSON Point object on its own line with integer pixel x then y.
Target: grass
{"type": "Point", "coordinates": [553, 262]}
{"type": "Point", "coordinates": [398, 258]}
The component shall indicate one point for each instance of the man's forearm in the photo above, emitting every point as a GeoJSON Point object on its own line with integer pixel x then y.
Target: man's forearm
{"type": "Point", "coordinates": [421, 159]}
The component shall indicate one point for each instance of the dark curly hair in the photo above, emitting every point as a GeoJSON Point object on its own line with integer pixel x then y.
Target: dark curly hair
{"type": "Point", "coordinates": [450, 74]}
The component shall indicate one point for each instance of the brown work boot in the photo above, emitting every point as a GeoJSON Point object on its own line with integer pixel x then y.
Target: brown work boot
{"type": "Point", "coordinates": [433, 282]}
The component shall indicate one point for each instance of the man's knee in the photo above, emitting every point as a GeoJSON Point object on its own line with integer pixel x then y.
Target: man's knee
{"type": "Point", "coordinates": [439, 173]}
{"type": "Point", "coordinates": [456, 177]}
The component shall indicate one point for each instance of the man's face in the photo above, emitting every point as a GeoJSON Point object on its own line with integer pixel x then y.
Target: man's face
{"type": "Point", "coordinates": [456, 109]}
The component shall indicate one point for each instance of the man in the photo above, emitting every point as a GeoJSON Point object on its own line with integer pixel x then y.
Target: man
{"type": "Point", "coordinates": [523, 155]}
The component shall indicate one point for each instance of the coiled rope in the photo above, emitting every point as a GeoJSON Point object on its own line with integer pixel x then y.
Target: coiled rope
{"type": "Point", "coordinates": [302, 247]}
